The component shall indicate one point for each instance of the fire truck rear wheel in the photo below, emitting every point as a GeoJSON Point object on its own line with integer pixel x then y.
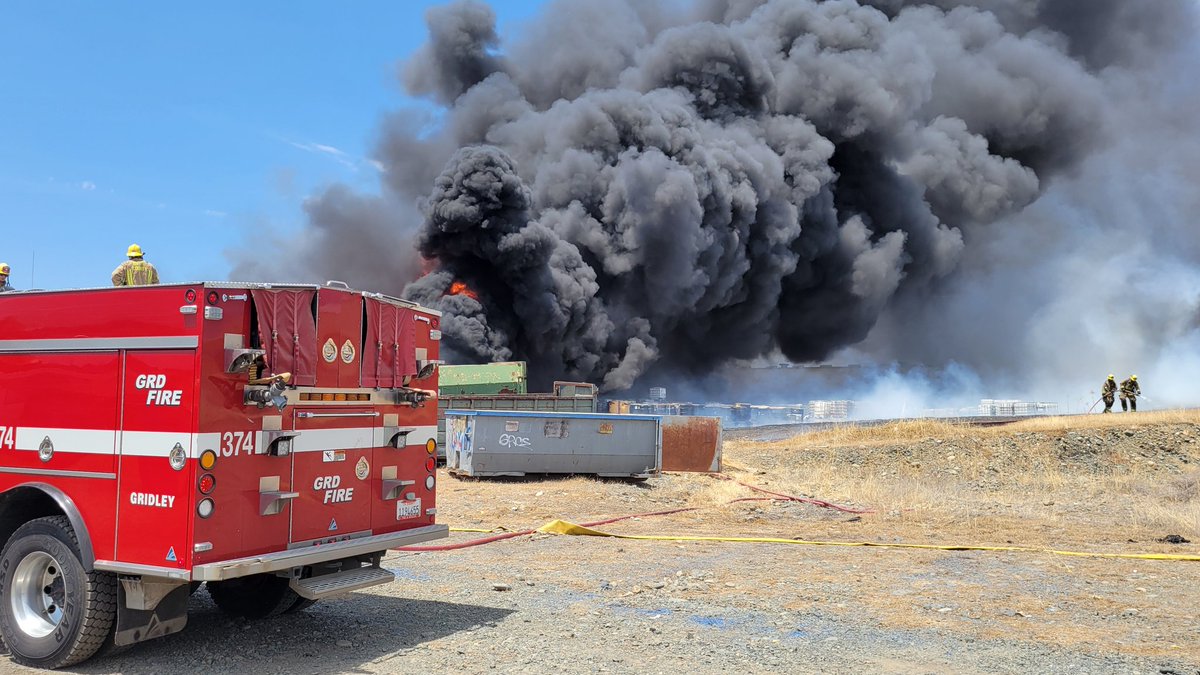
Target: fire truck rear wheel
{"type": "Point", "coordinates": [300, 605]}
{"type": "Point", "coordinates": [52, 612]}
{"type": "Point", "coordinates": [258, 596]}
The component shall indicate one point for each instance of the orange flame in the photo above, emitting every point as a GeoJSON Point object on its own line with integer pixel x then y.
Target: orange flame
{"type": "Point", "coordinates": [461, 288]}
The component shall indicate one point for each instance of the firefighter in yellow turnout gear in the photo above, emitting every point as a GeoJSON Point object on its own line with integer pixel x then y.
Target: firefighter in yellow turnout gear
{"type": "Point", "coordinates": [1108, 392]}
{"type": "Point", "coordinates": [135, 271]}
{"type": "Point", "coordinates": [1130, 390]}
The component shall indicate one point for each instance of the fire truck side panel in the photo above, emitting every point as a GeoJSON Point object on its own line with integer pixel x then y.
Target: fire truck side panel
{"type": "Point", "coordinates": [233, 430]}
{"type": "Point", "coordinates": [144, 312]}
{"type": "Point", "coordinates": [409, 505]}
{"type": "Point", "coordinates": [331, 463]}
{"type": "Point", "coordinates": [153, 497]}
{"type": "Point", "coordinates": [339, 338]}
{"type": "Point", "coordinates": [67, 401]}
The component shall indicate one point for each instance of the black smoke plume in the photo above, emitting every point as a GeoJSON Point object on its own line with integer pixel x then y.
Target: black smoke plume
{"type": "Point", "coordinates": [630, 185]}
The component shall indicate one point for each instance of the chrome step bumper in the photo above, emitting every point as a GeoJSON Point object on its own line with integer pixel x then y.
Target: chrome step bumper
{"type": "Point", "coordinates": [299, 557]}
{"type": "Point", "coordinates": [319, 588]}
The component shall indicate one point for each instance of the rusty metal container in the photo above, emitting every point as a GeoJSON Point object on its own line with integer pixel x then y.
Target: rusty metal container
{"type": "Point", "coordinates": [691, 443]}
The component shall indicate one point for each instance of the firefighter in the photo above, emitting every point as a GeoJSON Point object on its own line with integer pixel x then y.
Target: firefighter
{"type": "Point", "coordinates": [1108, 392]}
{"type": "Point", "coordinates": [5, 270]}
{"type": "Point", "coordinates": [135, 271]}
{"type": "Point", "coordinates": [1130, 390]}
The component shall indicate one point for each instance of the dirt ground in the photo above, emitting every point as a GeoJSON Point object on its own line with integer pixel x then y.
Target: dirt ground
{"type": "Point", "coordinates": [1117, 484]}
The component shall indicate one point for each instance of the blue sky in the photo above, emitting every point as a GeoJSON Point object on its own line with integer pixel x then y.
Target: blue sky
{"type": "Point", "coordinates": [186, 128]}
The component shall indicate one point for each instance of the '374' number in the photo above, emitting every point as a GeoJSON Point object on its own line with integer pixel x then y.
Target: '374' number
{"type": "Point", "coordinates": [237, 442]}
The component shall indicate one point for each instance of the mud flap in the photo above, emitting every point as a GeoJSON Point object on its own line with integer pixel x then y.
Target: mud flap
{"type": "Point", "coordinates": [137, 625]}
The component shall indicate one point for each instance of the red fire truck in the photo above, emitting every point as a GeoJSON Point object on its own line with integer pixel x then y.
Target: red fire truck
{"type": "Point", "coordinates": [271, 441]}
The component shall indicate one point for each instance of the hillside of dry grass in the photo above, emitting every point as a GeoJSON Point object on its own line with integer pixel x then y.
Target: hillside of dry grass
{"type": "Point", "coordinates": [1082, 479]}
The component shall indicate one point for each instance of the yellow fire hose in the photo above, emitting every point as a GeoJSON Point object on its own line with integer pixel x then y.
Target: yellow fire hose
{"type": "Point", "coordinates": [564, 527]}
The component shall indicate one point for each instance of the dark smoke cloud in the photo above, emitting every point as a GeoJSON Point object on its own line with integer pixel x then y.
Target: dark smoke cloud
{"type": "Point", "coordinates": [376, 233]}
{"type": "Point", "coordinates": [631, 186]}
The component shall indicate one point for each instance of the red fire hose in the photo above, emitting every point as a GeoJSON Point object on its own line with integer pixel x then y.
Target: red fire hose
{"type": "Point", "coordinates": [791, 498]}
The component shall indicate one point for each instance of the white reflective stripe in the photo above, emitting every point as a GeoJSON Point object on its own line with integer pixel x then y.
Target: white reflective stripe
{"type": "Point", "coordinates": [153, 443]}
{"type": "Point", "coordinates": [159, 443]}
{"type": "Point", "coordinates": [99, 344]}
{"type": "Point", "coordinates": [316, 440]}
{"type": "Point", "coordinates": [95, 441]}
{"type": "Point", "coordinates": [211, 441]}
{"type": "Point", "coordinates": [419, 435]}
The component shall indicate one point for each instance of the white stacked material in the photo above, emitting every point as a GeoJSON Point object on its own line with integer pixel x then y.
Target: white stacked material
{"type": "Point", "coordinates": [991, 407]}
{"type": "Point", "coordinates": [830, 410]}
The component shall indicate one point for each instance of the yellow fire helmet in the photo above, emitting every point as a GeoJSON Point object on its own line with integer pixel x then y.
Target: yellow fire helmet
{"type": "Point", "coordinates": [135, 251]}
{"type": "Point", "coordinates": [1133, 377]}
{"type": "Point", "coordinates": [1111, 376]}
{"type": "Point", "coordinates": [5, 270]}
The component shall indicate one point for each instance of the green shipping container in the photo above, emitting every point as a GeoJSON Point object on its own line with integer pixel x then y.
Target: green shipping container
{"type": "Point", "coordinates": [506, 377]}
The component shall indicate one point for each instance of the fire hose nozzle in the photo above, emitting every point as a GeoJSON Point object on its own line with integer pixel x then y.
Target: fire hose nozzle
{"type": "Point", "coordinates": [271, 394]}
{"type": "Point", "coordinates": [416, 397]}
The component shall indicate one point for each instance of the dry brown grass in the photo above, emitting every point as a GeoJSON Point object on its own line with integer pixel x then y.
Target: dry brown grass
{"type": "Point", "coordinates": [912, 431]}
{"type": "Point", "coordinates": [924, 481]}
{"type": "Point", "coordinates": [1005, 481]}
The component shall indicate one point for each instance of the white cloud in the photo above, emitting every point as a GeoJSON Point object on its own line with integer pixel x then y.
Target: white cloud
{"type": "Point", "coordinates": [338, 155]}
{"type": "Point", "coordinates": [87, 185]}
{"type": "Point", "coordinates": [214, 213]}
{"type": "Point", "coordinates": [328, 149]}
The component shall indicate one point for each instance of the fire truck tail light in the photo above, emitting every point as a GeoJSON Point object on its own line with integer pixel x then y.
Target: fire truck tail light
{"type": "Point", "coordinates": [177, 457]}
{"type": "Point", "coordinates": [213, 297]}
{"type": "Point", "coordinates": [207, 483]}
{"type": "Point", "coordinates": [431, 446]}
{"type": "Point", "coordinates": [205, 508]}
{"type": "Point", "coordinates": [202, 546]}
{"type": "Point", "coordinates": [190, 296]}
{"type": "Point", "coordinates": [208, 459]}
{"type": "Point", "coordinates": [429, 482]}
{"type": "Point", "coordinates": [430, 464]}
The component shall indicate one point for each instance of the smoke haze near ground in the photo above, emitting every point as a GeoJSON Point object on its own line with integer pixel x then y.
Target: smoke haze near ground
{"type": "Point", "coordinates": [643, 193]}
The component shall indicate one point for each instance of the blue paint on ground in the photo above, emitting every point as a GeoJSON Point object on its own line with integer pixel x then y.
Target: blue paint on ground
{"type": "Point", "coordinates": [407, 574]}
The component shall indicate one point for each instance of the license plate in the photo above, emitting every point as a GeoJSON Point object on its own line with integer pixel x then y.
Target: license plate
{"type": "Point", "coordinates": [408, 509]}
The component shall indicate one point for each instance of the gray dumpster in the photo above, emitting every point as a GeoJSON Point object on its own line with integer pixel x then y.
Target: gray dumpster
{"type": "Point", "coordinates": [510, 443]}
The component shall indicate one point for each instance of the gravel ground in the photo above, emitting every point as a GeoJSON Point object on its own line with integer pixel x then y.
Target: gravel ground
{"type": "Point", "coordinates": [554, 603]}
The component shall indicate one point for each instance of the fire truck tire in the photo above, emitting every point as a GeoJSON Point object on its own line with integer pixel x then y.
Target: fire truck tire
{"type": "Point", "coordinates": [259, 596]}
{"type": "Point", "coordinates": [301, 604]}
{"type": "Point", "coordinates": [52, 613]}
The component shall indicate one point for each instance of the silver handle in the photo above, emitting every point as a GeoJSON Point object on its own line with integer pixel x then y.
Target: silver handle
{"type": "Point", "coordinates": [349, 414]}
